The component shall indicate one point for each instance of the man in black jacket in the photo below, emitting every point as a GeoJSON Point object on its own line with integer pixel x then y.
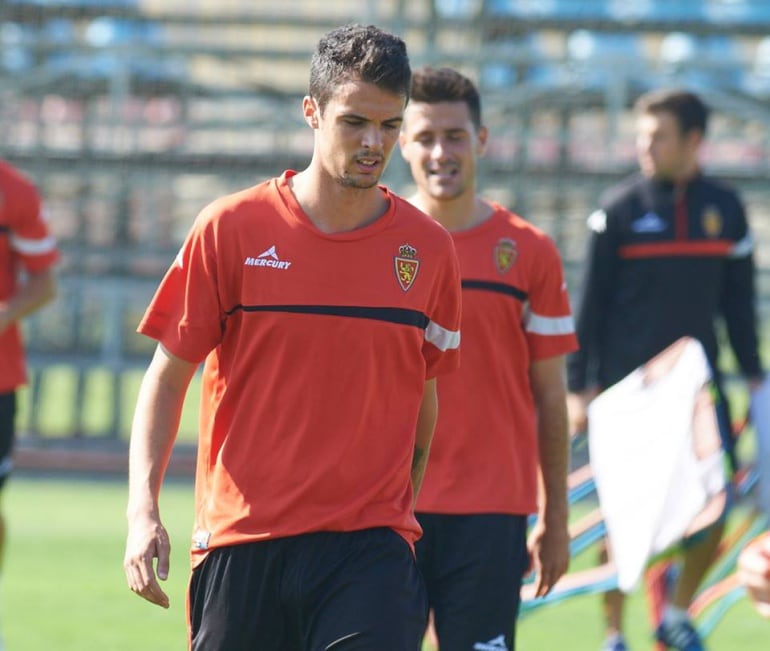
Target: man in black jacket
{"type": "Point", "coordinates": [670, 252]}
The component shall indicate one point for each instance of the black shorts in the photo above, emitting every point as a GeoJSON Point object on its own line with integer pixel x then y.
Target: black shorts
{"type": "Point", "coordinates": [351, 591]}
{"type": "Point", "coordinates": [7, 434]}
{"type": "Point", "coordinates": [473, 567]}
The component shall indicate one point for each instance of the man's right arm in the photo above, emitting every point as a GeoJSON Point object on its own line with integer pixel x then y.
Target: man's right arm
{"type": "Point", "coordinates": [590, 315]}
{"type": "Point", "coordinates": [154, 429]}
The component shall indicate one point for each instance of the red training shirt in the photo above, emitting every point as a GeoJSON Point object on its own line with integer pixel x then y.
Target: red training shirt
{"type": "Point", "coordinates": [515, 310]}
{"type": "Point", "coordinates": [316, 349]}
{"type": "Point", "coordinates": [25, 246]}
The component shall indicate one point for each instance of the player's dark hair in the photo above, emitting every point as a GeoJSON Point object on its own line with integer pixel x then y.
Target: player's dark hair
{"type": "Point", "coordinates": [433, 85]}
{"type": "Point", "coordinates": [355, 52]}
{"type": "Point", "coordinates": [688, 109]}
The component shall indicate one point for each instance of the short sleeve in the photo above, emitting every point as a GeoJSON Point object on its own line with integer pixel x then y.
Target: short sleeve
{"type": "Point", "coordinates": [186, 315]}
{"type": "Point", "coordinates": [442, 333]}
{"type": "Point", "coordinates": [550, 328]}
{"type": "Point", "coordinates": [30, 237]}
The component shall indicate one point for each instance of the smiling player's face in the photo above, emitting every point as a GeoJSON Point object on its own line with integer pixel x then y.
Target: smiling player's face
{"type": "Point", "coordinates": [441, 145]}
{"type": "Point", "coordinates": [356, 132]}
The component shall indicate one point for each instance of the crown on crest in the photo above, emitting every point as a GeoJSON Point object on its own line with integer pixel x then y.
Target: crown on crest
{"type": "Point", "coordinates": [407, 251]}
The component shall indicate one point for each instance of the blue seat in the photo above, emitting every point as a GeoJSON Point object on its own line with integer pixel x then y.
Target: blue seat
{"type": "Point", "coordinates": [515, 60]}
{"type": "Point", "coordinates": [705, 61]}
{"type": "Point", "coordinates": [756, 80]}
{"type": "Point", "coordinates": [110, 37]}
{"type": "Point", "coordinates": [595, 58]}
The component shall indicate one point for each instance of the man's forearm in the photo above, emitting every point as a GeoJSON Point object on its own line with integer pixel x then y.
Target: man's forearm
{"type": "Point", "coordinates": [37, 290]}
{"type": "Point", "coordinates": [155, 425]}
{"type": "Point", "coordinates": [426, 424]}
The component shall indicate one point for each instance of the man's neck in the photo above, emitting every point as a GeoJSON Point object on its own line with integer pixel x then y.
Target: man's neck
{"type": "Point", "coordinates": [334, 208]}
{"type": "Point", "coordinates": [457, 214]}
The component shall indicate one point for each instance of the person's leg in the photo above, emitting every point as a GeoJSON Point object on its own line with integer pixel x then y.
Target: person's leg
{"type": "Point", "coordinates": [356, 591]}
{"type": "Point", "coordinates": [696, 560]}
{"type": "Point", "coordinates": [425, 552]}
{"type": "Point", "coordinates": [676, 630]}
{"type": "Point", "coordinates": [613, 604]}
{"type": "Point", "coordinates": [480, 562]}
{"type": "Point", "coordinates": [7, 438]}
{"type": "Point", "coordinates": [234, 601]}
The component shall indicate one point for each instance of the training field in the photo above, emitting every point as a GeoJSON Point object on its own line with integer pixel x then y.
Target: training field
{"type": "Point", "coordinates": [63, 585]}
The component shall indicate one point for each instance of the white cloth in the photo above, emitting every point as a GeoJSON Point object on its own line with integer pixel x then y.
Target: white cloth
{"type": "Point", "coordinates": [649, 481]}
{"type": "Point", "coordinates": [760, 417]}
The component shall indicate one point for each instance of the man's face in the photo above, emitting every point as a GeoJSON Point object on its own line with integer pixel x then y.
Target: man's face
{"type": "Point", "coordinates": [441, 144]}
{"type": "Point", "coordinates": [356, 132]}
{"type": "Point", "coordinates": [663, 151]}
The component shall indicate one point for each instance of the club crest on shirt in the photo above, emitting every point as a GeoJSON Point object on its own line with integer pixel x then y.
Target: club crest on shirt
{"type": "Point", "coordinates": [712, 221]}
{"type": "Point", "coordinates": [505, 254]}
{"type": "Point", "coordinates": [406, 265]}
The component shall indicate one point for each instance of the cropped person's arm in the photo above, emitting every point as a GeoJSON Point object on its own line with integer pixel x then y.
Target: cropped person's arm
{"type": "Point", "coordinates": [426, 424]}
{"type": "Point", "coordinates": [549, 540]}
{"type": "Point", "coordinates": [154, 429]}
{"type": "Point", "coordinates": [35, 291]}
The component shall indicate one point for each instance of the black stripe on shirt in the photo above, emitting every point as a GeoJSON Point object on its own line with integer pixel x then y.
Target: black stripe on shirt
{"type": "Point", "coordinates": [397, 315]}
{"type": "Point", "coordinates": [4, 228]}
{"type": "Point", "coordinates": [501, 288]}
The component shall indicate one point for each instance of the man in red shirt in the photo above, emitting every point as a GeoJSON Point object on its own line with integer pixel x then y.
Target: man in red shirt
{"type": "Point", "coordinates": [27, 255]}
{"type": "Point", "coordinates": [323, 308]}
{"type": "Point", "coordinates": [502, 421]}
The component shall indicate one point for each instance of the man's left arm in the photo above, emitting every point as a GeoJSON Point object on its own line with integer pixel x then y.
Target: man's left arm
{"type": "Point", "coordinates": [738, 302]}
{"type": "Point", "coordinates": [426, 424]}
{"type": "Point", "coordinates": [549, 540]}
{"type": "Point", "coordinates": [35, 291]}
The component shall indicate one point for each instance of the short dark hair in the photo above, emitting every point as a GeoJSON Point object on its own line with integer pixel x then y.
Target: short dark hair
{"type": "Point", "coordinates": [688, 109]}
{"type": "Point", "coordinates": [434, 85]}
{"type": "Point", "coordinates": [355, 52]}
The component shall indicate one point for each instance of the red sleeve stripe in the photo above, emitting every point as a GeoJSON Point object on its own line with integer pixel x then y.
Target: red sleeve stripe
{"type": "Point", "coordinates": [714, 248]}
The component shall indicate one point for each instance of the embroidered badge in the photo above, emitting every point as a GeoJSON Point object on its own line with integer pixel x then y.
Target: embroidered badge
{"type": "Point", "coordinates": [712, 222]}
{"type": "Point", "coordinates": [406, 265]}
{"type": "Point", "coordinates": [506, 254]}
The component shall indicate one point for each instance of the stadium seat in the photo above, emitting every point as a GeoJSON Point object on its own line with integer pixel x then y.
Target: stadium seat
{"type": "Point", "coordinates": [457, 8]}
{"type": "Point", "coordinates": [598, 57]}
{"type": "Point", "coordinates": [622, 10]}
{"type": "Point", "coordinates": [756, 81]}
{"type": "Point", "coordinates": [516, 60]}
{"type": "Point", "coordinates": [524, 8]}
{"type": "Point", "coordinates": [706, 61]}
{"type": "Point", "coordinates": [15, 53]}
{"type": "Point", "coordinates": [118, 50]}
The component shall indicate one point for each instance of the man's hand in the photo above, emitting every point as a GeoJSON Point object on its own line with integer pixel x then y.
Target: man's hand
{"type": "Point", "coordinates": [549, 549]}
{"type": "Point", "coordinates": [577, 411]}
{"type": "Point", "coordinates": [147, 541]}
{"type": "Point", "coordinates": [754, 573]}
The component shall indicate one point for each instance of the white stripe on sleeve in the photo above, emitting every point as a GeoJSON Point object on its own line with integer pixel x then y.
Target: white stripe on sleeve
{"type": "Point", "coordinates": [548, 325]}
{"type": "Point", "coordinates": [38, 246]}
{"type": "Point", "coordinates": [442, 338]}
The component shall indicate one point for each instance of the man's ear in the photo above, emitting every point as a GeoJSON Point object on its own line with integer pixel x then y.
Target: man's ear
{"type": "Point", "coordinates": [310, 111]}
{"type": "Point", "coordinates": [695, 139]}
{"type": "Point", "coordinates": [402, 145]}
{"type": "Point", "coordinates": [481, 140]}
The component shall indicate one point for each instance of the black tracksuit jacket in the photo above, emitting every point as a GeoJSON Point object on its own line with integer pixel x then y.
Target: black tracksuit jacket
{"type": "Point", "coordinates": [664, 261]}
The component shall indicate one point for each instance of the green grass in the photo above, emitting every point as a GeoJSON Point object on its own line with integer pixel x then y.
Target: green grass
{"type": "Point", "coordinates": [56, 415]}
{"type": "Point", "coordinates": [63, 586]}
